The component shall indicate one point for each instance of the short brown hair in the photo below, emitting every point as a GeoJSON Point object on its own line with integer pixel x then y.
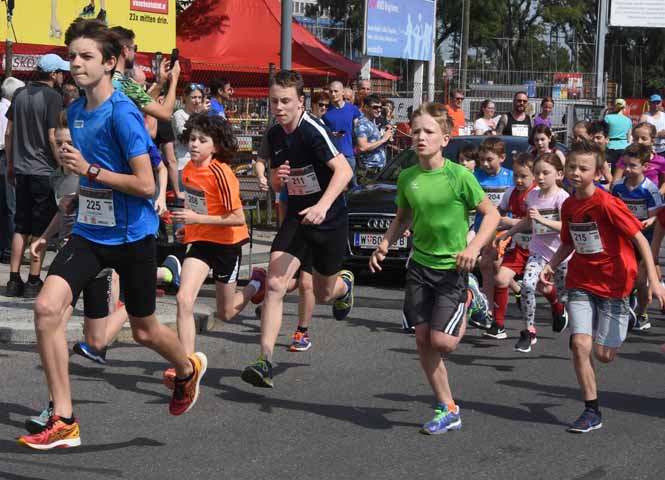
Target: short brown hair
{"type": "Point", "coordinates": [438, 113]}
{"type": "Point", "coordinates": [319, 96]}
{"type": "Point", "coordinates": [107, 41]}
{"type": "Point", "coordinates": [638, 150]}
{"type": "Point", "coordinates": [584, 147]}
{"type": "Point", "coordinates": [61, 123]}
{"type": "Point", "coordinates": [524, 159]}
{"type": "Point", "coordinates": [493, 145]}
{"type": "Point", "coordinates": [289, 78]}
{"type": "Point", "coordinates": [469, 151]}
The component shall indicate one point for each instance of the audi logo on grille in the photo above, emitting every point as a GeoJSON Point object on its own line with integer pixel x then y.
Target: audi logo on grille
{"type": "Point", "coordinates": [379, 223]}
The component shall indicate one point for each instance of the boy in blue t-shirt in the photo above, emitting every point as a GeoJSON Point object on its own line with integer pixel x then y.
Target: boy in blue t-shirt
{"type": "Point", "coordinates": [643, 199]}
{"type": "Point", "coordinates": [494, 178]}
{"type": "Point", "coordinates": [115, 226]}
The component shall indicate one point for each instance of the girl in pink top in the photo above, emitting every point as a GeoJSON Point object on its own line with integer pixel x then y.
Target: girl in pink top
{"type": "Point", "coordinates": [645, 133]}
{"type": "Point", "coordinates": [544, 221]}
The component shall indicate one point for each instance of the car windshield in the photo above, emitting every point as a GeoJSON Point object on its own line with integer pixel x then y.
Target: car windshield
{"type": "Point", "coordinates": [408, 157]}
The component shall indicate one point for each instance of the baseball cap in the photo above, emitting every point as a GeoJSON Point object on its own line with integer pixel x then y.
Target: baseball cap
{"type": "Point", "coordinates": [52, 63]}
{"type": "Point", "coordinates": [620, 102]}
{"type": "Point", "coordinates": [655, 98]}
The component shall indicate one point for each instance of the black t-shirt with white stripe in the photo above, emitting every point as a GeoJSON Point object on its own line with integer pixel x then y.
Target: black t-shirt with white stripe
{"type": "Point", "coordinates": [308, 149]}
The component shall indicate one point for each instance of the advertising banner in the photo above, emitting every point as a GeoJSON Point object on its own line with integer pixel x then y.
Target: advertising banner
{"type": "Point", "coordinates": [400, 29]}
{"type": "Point", "coordinates": [44, 22]}
{"type": "Point", "coordinates": [645, 13]}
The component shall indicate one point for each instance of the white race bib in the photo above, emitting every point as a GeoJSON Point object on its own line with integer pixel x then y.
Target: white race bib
{"type": "Point", "coordinates": [96, 207]}
{"type": "Point", "coordinates": [638, 207]}
{"type": "Point", "coordinates": [303, 181]}
{"type": "Point", "coordinates": [495, 194]}
{"type": "Point", "coordinates": [549, 214]}
{"type": "Point", "coordinates": [195, 200]}
{"type": "Point", "coordinates": [586, 238]}
{"type": "Point", "coordinates": [520, 130]}
{"type": "Point", "coordinates": [522, 239]}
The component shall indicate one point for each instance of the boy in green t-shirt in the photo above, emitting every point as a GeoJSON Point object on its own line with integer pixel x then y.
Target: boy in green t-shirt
{"type": "Point", "coordinates": [434, 198]}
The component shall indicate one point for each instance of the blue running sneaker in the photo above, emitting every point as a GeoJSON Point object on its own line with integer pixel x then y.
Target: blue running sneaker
{"type": "Point", "coordinates": [589, 420]}
{"type": "Point", "coordinates": [442, 422]}
{"type": "Point", "coordinates": [90, 353]}
{"type": "Point", "coordinates": [173, 265]}
{"type": "Point", "coordinates": [300, 342]}
{"type": "Point", "coordinates": [477, 313]}
{"type": "Point", "coordinates": [38, 424]}
{"type": "Point", "coordinates": [258, 373]}
{"type": "Point", "coordinates": [343, 305]}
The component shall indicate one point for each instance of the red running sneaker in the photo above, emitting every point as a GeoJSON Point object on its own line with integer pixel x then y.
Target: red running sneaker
{"type": "Point", "coordinates": [186, 393]}
{"type": "Point", "coordinates": [259, 274]}
{"type": "Point", "coordinates": [57, 434]}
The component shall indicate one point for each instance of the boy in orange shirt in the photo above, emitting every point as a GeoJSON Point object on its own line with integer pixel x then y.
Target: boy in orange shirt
{"type": "Point", "coordinates": [215, 228]}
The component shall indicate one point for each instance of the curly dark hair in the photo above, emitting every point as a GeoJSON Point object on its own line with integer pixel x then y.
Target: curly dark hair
{"type": "Point", "coordinates": [217, 128]}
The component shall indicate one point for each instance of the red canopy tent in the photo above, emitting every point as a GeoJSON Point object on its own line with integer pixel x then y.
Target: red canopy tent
{"type": "Point", "coordinates": [238, 39]}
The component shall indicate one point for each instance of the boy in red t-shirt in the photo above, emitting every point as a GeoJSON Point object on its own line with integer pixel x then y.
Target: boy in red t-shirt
{"type": "Point", "coordinates": [601, 231]}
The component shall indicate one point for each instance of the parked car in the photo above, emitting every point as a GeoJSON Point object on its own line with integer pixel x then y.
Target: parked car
{"type": "Point", "coordinates": [372, 207]}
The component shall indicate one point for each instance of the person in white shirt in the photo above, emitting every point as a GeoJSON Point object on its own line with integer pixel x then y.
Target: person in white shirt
{"type": "Point", "coordinates": [7, 194]}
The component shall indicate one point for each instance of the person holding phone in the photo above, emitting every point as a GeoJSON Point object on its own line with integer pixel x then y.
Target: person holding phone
{"type": "Point", "coordinates": [146, 103]}
{"type": "Point", "coordinates": [341, 118]}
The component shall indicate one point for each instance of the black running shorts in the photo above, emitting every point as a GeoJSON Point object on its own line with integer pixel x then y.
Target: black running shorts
{"type": "Point", "coordinates": [326, 247]}
{"type": "Point", "coordinates": [223, 259]}
{"type": "Point", "coordinates": [437, 297]}
{"type": "Point", "coordinates": [80, 260]}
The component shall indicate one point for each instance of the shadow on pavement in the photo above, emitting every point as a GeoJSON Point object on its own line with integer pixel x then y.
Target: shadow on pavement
{"type": "Point", "coordinates": [534, 412]}
{"type": "Point", "coordinates": [366, 417]}
{"type": "Point", "coordinates": [8, 446]}
{"type": "Point", "coordinates": [623, 402]}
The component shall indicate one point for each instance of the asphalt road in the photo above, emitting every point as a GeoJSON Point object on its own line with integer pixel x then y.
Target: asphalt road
{"type": "Point", "coordinates": [351, 408]}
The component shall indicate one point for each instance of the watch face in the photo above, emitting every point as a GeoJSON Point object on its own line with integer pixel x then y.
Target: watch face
{"type": "Point", "coordinates": [94, 170]}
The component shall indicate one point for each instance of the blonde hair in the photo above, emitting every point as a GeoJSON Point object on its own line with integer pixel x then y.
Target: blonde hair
{"type": "Point", "coordinates": [439, 113]}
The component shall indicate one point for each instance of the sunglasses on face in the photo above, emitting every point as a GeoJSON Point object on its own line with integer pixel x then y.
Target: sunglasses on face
{"type": "Point", "coordinates": [323, 104]}
{"type": "Point", "coordinates": [459, 99]}
{"type": "Point", "coordinates": [376, 107]}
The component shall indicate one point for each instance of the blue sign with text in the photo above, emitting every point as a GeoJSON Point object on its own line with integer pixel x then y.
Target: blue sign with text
{"type": "Point", "coordinates": [400, 29]}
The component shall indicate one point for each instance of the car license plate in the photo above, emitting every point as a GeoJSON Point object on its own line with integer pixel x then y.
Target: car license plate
{"type": "Point", "coordinates": [372, 240]}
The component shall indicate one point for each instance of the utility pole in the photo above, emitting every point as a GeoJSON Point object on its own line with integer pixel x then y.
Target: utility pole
{"type": "Point", "coordinates": [466, 16]}
{"type": "Point", "coordinates": [287, 34]}
{"type": "Point", "coordinates": [600, 51]}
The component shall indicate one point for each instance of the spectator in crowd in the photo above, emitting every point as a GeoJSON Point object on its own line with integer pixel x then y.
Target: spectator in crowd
{"type": "Point", "coordinates": [403, 131]}
{"type": "Point", "coordinates": [340, 118]}
{"type": "Point", "coordinates": [656, 117]}
{"type": "Point", "coordinates": [364, 89]}
{"type": "Point", "coordinates": [620, 126]}
{"type": "Point", "coordinates": [456, 112]}
{"type": "Point", "coordinates": [388, 111]}
{"type": "Point", "coordinates": [349, 95]}
{"type": "Point", "coordinates": [516, 122]}
{"type": "Point", "coordinates": [220, 94]}
{"type": "Point", "coordinates": [30, 148]}
{"type": "Point", "coordinates": [70, 92]}
{"type": "Point", "coordinates": [144, 101]}
{"type": "Point", "coordinates": [486, 122]}
{"type": "Point", "coordinates": [320, 104]}
{"type": "Point", "coordinates": [546, 108]}
{"type": "Point", "coordinates": [371, 142]}
{"type": "Point", "coordinates": [7, 194]}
